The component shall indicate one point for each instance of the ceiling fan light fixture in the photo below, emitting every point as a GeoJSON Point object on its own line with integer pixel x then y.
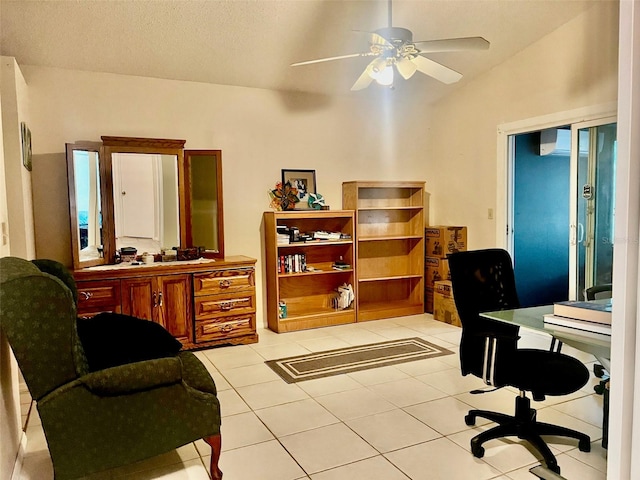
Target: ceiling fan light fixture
{"type": "Point", "coordinates": [385, 77]}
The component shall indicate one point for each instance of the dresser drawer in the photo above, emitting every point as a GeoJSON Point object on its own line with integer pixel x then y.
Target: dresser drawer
{"type": "Point", "coordinates": [225, 327]}
{"type": "Point", "coordinates": [213, 306]}
{"type": "Point", "coordinates": [224, 281]}
{"type": "Point", "coordinates": [98, 296]}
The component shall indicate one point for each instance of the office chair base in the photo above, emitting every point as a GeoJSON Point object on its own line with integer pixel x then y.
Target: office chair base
{"type": "Point", "coordinates": [524, 426]}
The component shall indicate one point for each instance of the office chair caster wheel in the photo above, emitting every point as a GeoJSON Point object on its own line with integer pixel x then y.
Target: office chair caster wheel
{"type": "Point", "coordinates": [478, 451]}
{"type": "Point", "coordinates": [584, 446]}
{"type": "Point", "coordinates": [470, 420]}
{"type": "Point", "coordinates": [598, 370]}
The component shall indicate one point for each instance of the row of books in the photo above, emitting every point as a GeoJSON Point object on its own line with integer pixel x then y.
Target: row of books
{"type": "Point", "coordinates": [582, 316]}
{"type": "Point", "coordinates": [295, 263]}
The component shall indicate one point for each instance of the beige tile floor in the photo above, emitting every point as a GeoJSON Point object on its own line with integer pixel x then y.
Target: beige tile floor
{"type": "Point", "coordinates": [393, 423]}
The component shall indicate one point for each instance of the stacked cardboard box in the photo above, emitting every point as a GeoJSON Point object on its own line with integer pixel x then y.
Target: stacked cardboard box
{"type": "Point", "coordinates": [440, 240]}
{"type": "Point", "coordinates": [444, 307]}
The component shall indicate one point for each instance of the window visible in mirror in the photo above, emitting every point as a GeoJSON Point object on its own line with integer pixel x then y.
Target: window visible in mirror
{"type": "Point", "coordinates": [89, 215]}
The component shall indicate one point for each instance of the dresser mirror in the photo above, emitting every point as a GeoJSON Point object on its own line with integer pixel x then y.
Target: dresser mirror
{"type": "Point", "coordinates": [85, 204]}
{"type": "Point", "coordinates": [204, 168]}
{"type": "Point", "coordinates": [145, 201]}
{"type": "Point", "coordinates": [143, 193]}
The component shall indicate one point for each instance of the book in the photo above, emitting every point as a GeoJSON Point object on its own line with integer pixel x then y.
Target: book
{"type": "Point", "coordinates": [594, 311]}
{"type": "Point", "coordinates": [576, 325]}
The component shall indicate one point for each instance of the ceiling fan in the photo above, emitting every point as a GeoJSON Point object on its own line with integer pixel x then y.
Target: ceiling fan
{"type": "Point", "coordinates": [395, 50]}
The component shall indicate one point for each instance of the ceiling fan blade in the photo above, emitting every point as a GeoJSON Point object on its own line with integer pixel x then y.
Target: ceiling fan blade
{"type": "Point", "coordinates": [452, 45]}
{"type": "Point", "coordinates": [436, 70]}
{"type": "Point", "coordinates": [365, 79]}
{"type": "Point", "coordinates": [406, 68]}
{"type": "Point", "coordinates": [376, 39]}
{"type": "Point", "coordinates": [363, 82]}
{"type": "Point", "coordinates": [328, 59]}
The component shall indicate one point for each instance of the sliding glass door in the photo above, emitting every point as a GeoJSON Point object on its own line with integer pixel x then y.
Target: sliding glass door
{"type": "Point", "coordinates": [561, 208]}
{"type": "Point", "coordinates": [593, 163]}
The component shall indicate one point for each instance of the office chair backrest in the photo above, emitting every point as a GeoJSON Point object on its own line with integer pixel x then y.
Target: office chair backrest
{"type": "Point", "coordinates": [482, 281]}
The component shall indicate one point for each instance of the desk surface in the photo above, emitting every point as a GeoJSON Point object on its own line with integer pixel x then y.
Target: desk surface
{"type": "Point", "coordinates": [597, 344]}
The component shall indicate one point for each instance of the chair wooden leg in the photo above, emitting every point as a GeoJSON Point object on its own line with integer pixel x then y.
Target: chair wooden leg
{"type": "Point", "coordinates": [215, 441]}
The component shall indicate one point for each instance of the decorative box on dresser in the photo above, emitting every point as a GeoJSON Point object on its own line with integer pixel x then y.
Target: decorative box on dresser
{"type": "Point", "coordinates": [308, 296]}
{"type": "Point", "coordinates": [201, 303]}
{"type": "Point", "coordinates": [389, 247]}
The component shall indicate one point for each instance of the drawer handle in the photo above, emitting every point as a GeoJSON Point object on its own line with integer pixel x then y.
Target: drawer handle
{"type": "Point", "coordinates": [86, 295]}
{"type": "Point", "coordinates": [226, 306]}
{"type": "Point", "coordinates": [157, 299]}
{"type": "Point", "coordinates": [225, 283]}
{"type": "Point", "coordinates": [226, 328]}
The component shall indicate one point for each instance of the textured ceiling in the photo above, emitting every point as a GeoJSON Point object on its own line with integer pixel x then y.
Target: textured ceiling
{"type": "Point", "coordinates": [251, 43]}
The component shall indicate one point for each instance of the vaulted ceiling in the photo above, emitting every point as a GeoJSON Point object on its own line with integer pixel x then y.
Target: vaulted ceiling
{"type": "Point", "coordinates": [251, 43]}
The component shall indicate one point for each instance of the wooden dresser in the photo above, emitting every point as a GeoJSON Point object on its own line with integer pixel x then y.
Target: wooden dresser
{"type": "Point", "coordinates": [201, 303]}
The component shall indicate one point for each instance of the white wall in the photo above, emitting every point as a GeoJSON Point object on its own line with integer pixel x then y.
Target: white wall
{"type": "Point", "coordinates": [15, 109]}
{"type": "Point", "coordinates": [16, 221]}
{"type": "Point", "coordinates": [572, 68]}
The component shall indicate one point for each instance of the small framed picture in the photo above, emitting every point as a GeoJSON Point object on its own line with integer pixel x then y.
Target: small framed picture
{"type": "Point", "coordinates": [302, 180]}
{"type": "Point", "coordinates": [26, 145]}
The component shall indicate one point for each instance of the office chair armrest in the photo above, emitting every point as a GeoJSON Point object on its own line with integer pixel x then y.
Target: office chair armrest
{"type": "Point", "coordinates": [498, 348]}
{"type": "Point", "coordinates": [134, 377]}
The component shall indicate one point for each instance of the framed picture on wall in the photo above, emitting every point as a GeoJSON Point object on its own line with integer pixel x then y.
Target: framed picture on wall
{"type": "Point", "coordinates": [302, 180]}
{"type": "Point", "coordinates": [26, 145]}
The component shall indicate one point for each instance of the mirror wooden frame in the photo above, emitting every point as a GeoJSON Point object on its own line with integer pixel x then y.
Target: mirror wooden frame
{"type": "Point", "coordinates": [160, 146]}
{"type": "Point", "coordinates": [112, 145]}
{"type": "Point", "coordinates": [94, 147]}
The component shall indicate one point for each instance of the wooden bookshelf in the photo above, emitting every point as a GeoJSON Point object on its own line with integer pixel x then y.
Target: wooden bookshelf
{"type": "Point", "coordinates": [389, 247]}
{"type": "Point", "coordinates": [309, 295]}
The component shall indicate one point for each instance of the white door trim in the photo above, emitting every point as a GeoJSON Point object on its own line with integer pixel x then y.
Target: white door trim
{"type": "Point", "coordinates": [624, 420]}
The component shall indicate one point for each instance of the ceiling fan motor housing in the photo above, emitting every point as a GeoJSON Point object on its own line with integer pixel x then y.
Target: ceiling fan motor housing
{"type": "Point", "coordinates": [396, 34]}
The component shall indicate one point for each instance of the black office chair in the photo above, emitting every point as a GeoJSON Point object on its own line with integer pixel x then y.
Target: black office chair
{"type": "Point", "coordinates": [483, 281]}
{"type": "Point", "coordinates": [598, 291]}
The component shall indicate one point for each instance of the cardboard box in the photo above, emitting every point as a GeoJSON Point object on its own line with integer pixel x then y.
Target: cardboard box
{"type": "Point", "coordinates": [444, 307]}
{"type": "Point", "coordinates": [435, 269]}
{"type": "Point", "coordinates": [428, 300]}
{"type": "Point", "coordinates": [440, 240]}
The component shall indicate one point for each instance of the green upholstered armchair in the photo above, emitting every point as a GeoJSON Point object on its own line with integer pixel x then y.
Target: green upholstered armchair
{"type": "Point", "coordinates": [97, 420]}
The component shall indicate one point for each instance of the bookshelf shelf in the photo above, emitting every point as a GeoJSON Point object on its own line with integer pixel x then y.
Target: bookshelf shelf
{"type": "Point", "coordinates": [389, 247]}
{"type": "Point", "coordinates": [309, 295]}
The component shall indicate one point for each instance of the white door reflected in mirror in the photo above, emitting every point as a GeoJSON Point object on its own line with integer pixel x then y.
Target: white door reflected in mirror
{"type": "Point", "coordinates": [145, 201]}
